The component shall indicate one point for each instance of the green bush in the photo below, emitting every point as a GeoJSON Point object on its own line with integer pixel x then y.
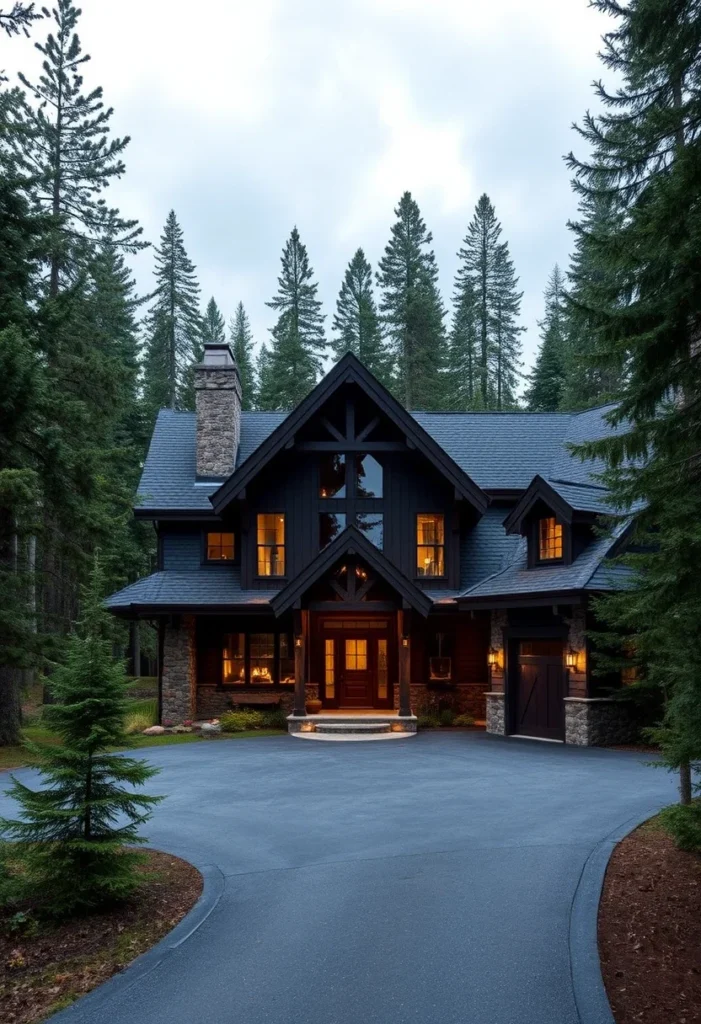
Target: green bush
{"type": "Point", "coordinates": [428, 722]}
{"type": "Point", "coordinates": [463, 721]}
{"type": "Point", "coordinates": [12, 887]}
{"type": "Point", "coordinates": [447, 717]}
{"type": "Point", "coordinates": [137, 723]}
{"type": "Point", "coordinates": [683, 822]}
{"type": "Point", "coordinates": [146, 708]}
{"type": "Point", "coordinates": [241, 721]}
{"type": "Point", "coordinates": [276, 719]}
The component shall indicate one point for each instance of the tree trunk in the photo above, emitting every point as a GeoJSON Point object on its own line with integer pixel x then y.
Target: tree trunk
{"type": "Point", "coordinates": [685, 783]}
{"type": "Point", "coordinates": [10, 710]}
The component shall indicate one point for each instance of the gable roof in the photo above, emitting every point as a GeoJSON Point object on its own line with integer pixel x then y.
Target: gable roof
{"type": "Point", "coordinates": [568, 501]}
{"type": "Point", "coordinates": [349, 369]}
{"type": "Point", "coordinates": [351, 541]}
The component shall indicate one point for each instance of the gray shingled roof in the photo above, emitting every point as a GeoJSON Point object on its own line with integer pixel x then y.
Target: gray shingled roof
{"type": "Point", "coordinates": [584, 498]}
{"type": "Point", "coordinates": [208, 586]}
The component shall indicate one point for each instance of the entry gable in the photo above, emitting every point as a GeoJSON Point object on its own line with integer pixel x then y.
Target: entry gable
{"type": "Point", "coordinates": [346, 436]}
{"type": "Point", "coordinates": [351, 542]}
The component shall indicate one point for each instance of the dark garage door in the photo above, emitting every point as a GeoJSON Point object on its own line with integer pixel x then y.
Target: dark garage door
{"type": "Point", "coordinates": [540, 690]}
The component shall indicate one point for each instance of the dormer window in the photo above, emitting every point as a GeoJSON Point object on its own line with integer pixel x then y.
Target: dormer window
{"type": "Point", "coordinates": [550, 540]}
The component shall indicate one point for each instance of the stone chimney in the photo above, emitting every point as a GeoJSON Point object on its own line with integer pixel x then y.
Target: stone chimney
{"type": "Point", "coordinates": [218, 404]}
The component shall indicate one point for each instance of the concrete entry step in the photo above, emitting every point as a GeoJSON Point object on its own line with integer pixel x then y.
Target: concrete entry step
{"type": "Point", "coordinates": [352, 727]}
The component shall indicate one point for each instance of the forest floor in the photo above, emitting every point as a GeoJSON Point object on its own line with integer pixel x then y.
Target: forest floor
{"type": "Point", "coordinates": [650, 930]}
{"type": "Point", "coordinates": [46, 967]}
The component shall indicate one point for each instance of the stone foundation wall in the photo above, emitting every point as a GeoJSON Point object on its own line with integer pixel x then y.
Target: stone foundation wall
{"type": "Point", "coordinates": [178, 677]}
{"type": "Point", "coordinates": [463, 699]}
{"type": "Point", "coordinates": [495, 713]}
{"type": "Point", "coordinates": [597, 721]}
{"type": "Point", "coordinates": [213, 702]}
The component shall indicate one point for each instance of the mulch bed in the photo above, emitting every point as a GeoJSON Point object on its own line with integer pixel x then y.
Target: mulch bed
{"type": "Point", "coordinates": [44, 972]}
{"type": "Point", "coordinates": [650, 930]}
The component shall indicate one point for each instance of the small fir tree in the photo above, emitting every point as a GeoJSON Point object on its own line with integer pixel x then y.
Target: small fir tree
{"type": "Point", "coordinates": [242, 344]}
{"type": "Point", "coordinates": [547, 381]}
{"type": "Point", "coordinates": [413, 311]}
{"type": "Point", "coordinates": [173, 326]}
{"type": "Point", "coordinates": [356, 321]}
{"type": "Point", "coordinates": [298, 336]}
{"type": "Point", "coordinates": [213, 327]}
{"type": "Point", "coordinates": [74, 834]}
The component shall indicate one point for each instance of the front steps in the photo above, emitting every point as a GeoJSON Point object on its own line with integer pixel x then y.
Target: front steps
{"type": "Point", "coordinates": [352, 727]}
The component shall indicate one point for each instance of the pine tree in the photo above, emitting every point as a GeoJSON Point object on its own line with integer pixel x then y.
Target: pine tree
{"type": "Point", "coordinates": [242, 344]}
{"type": "Point", "coordinates": [74, 834]}
{"type": "Point", "coordinates": [63, 144]}
{"type": "Point", "coordinates": [412, 309]}
{"type": "Point", "coordinates": [173, 326]}
{"type": "Point", "coordinates": [486, 271]}
{"type": "Point", "coordinates": [547, 381]}
{"type": "Point", "coordinates": [265, 392]}
{"type": "Point", "coordinates": [298, 336]}
{"type": "Point", "coordinates": [463, 385]}
{"type": "Point", "coordinates": [645, 319]}
{"type": "Point", "coordinates": [356, 320]}
{"type": "Point", "coordinates": [213, 328]}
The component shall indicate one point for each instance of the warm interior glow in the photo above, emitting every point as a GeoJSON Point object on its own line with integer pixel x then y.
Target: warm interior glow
{"type": "Point", "coordinates": [550, 536]}
{"type": "Point", "coordinates": [430, 544]}
{"type": "Point", "coordinates": [220, 547]}
{"type": "Point", "coordinates": [271, 544]}
{"type": "Point", "coordinates": [571, 659]}
{"type": "Point", "coordinates": [356, 655]}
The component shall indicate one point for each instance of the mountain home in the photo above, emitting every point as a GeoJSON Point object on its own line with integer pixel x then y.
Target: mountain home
{"type": "Point", "coordinates": [375, 559]}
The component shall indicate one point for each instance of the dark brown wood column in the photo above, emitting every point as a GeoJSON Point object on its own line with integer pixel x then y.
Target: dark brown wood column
{"type": "Point", "coordinates": [404, 627]}
{"type": "Point", "coordinates": [301, 634]}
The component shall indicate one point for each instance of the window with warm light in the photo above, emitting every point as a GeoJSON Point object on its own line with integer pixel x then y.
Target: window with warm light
{"type": "Point", "coordinates": [220, 547]}
{"type": "Point", "coordinates": [329, 669]}
{"type": "Point", "coordinates": [234, 668]}
{"type": "Point", "coordinates": [271, 544]}
{"type": "Point", "coordinates": [356, 655]}
{"type": "Point", "coordinates": [430, 544]}
{"type": "Point", "coordinates": [262, 657]}
{"type": "Point", "coordinates": [550, 540]}
{"type": "Point", "coordinates": [258, 659]}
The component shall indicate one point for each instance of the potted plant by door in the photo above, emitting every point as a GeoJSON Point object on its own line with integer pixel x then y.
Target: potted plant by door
{"type": "Point", "coordinates": [313, 706]}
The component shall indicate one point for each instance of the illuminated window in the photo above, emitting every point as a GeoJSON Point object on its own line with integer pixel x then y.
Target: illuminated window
{"type": "Point", "coordinates": [271, 544]}
{"type": "Point", "coordinates": [262, 657]}
{"type": "Point", "coordinates": [234, 667]}
{"type": "Point", "coordinates": [430, 545]}
{"type": "Point", "coordinates": [381, 669]}
{"type": "Point", "coordinates": [329, 669]}
{"type": "Point", "coordinates": [332, 476]}
{"type": "Point", "coordinates": [286, 672]}
{"type": "Point", "coordinates": [356, 655]}
{"type": "Point", "coordinates": [220, 547]}
{"type": "Point", "coordinates": [549, 539]}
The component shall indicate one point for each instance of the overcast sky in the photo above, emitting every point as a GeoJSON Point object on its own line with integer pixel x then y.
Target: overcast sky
{"type": "Point", "coordinates": [250, 117]}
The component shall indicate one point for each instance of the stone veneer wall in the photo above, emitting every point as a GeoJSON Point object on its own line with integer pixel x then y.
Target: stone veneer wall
{"type": "Point", "coordinates": [495, 713]}
{"type": "Point", "coordinates": [213, 701]}
{"type": "Point", "coordinates": [597, 721]}
{"type": "Point", "coordinates": [178, 674]}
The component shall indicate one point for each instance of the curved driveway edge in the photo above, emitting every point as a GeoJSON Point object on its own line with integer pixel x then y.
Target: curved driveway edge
{"type": "Point", "coordinates": [587, 981]}
{"type": "Point", "coordinates": [212, 890]}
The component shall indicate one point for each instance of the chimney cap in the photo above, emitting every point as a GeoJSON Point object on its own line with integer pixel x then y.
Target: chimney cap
{"type": "Point", "coordinates": [217, 354]}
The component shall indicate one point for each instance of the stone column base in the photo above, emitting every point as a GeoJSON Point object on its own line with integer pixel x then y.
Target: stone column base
{"type": "Point", "coordinates": [597, 722]}
{"type": "Point", "coordinates": [495, 713]}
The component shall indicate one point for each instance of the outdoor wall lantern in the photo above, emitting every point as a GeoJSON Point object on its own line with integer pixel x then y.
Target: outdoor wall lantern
{"type": "Point", "coordinates": [298, 641]}
{"type": "Point", "coordinates": [405, 641]}
{"type": "Point", "coordinates": [571, 659]}
{"type": "Point", "coordinates": [493, 657]}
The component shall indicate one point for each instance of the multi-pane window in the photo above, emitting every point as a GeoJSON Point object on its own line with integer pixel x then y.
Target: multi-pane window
{"type": "Point", "coordinates": [332, 476]}
{"type": "Point", "coordinates": [549, 539]}
{"type": "Point", "coordinates": [286, 673]}
{"type": "Point", "coordinates": [262, 657]}
{"type": "Point", "coordinates": [356, 655]}
{"type": "Point", "coordinates": [372, 525]}
{"type": "Point", "coordinates": [220, 547]}
{"type": "Point", "coordinates": [381, 669]}
{"type": "Point", "coordinates": [271, 544]}
{"type": "Point", "coordinates": [329, 669]}
{"type": "Point", "coordinates": [330, 525]}
{"type": "Point", "coordinates": [234, 668]}
{"type": "Point", "coordinates": [368, 477]}
{"type": "Point", "coordinates": [430, 544]}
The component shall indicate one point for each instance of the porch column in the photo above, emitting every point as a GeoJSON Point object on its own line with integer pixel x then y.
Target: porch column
{"type": "Point", "coordinates": [404, 626]}
{"type": "Point", "coordinates": [301, 621]}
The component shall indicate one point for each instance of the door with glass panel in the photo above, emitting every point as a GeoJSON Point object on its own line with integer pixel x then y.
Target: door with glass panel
{"type": "Point", "coordinates": [356, 670]}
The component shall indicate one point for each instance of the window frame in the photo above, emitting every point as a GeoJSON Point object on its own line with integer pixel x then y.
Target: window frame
{"type": "Point", "coordinates": [534, 559]}
{"type": "Point", "coordinates": [271, 512]}
{"type": "Point", "coordinates": [417, 575]}
{"type": "Point", "coordinates": [247, 683]}
{"type": "Point", "coordinates": [206, 560]}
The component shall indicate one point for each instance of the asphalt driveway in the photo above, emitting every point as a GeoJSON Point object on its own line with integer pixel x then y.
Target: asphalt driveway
{"type": "Point", "coordinates": [428, 880]}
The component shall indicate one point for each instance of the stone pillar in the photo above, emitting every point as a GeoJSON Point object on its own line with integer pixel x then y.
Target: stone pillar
{"type": "Point", "coordinates": [495, 713]}
{"type": "Point", "coordinates": [218, 404]}
{"type": "Point", "coordinates": [404, 661]}
{"type": "Point", "coordinates": [179, 676]}
{"type": "Point", "coordinates": [499, 622]}
{"type": "Point", "coordinates": [577, 642]}
{"type": "Point", "coordinates": [301, 620]}
{"type": "Point", "coordinates": [598, 721]}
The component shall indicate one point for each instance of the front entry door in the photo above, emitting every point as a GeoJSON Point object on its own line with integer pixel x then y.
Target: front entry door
{"type": "Point", "coordinates": [541, 690]}
{"type": "Point", "coordinates": [355, 672]}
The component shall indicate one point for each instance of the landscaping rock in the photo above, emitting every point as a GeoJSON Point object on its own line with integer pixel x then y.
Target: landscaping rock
{"type": "Point", "coordinates": [210, 728]}
{"type": "Point", "coordinates": [154, 730]}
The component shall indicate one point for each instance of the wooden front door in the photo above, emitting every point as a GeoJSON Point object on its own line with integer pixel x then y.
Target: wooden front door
{"type": "Point", "coordinates": [354, 660]}
{"type": "Point", "coordinates": [540, 690]}
{"type": "Point", "coordinates": [356, 672]}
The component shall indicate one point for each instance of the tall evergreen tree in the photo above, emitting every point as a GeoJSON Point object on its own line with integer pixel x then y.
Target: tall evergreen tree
{"type": "Point", "coordinates": [412, 309]}
{"type": "Point", "coordinates": [547, 381]}
{"type": "Point", "coordinates": [63, 144]}
{"type": "Point", "coordinates": [213, 327]}
{"type": "Point", "coordinates": [486, 271]}
{"type": "Point", "coordinates": [75, 834]}
{"type": "Point", "coordinates": [242, 344]}
{"type": "Point", "coordinates": [646, 316]}
{"type": "Point", "coordinates": [173, 326]}
{"type": "Point", "coordinates": [463, 384]}
{"type": "Point", "coordinates": [298, 336]}
{"type": "Point", "coordinates": [265, 391]}
{"type": "Point", "coordinates": [356, 320]}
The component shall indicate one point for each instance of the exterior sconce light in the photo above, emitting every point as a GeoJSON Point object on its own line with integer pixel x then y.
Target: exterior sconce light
{"type": "Point", "coordinates": [405, 641]}
{"type": "Point", "coordinates": [571, 659]}
{"type": "Point", "coordinates": [298, 641]}
{"type": "Point", "coordinates": [493, 657]}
